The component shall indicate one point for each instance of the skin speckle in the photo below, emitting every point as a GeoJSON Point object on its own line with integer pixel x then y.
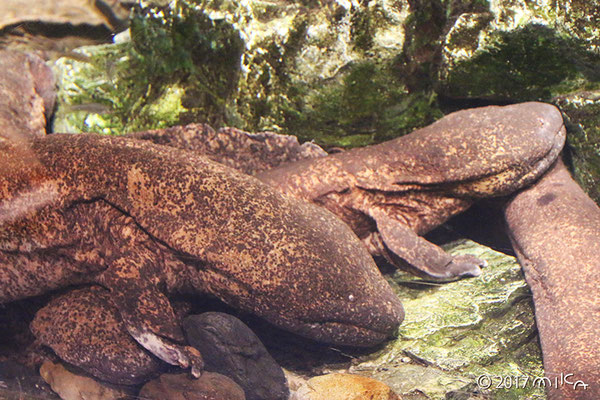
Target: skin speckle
{"type": "Point", "coordinates": [69, 324]}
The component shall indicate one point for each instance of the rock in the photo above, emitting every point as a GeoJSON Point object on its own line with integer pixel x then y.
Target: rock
{"type": "Point", "coordinates": [27, 95]}
{"type": "Point", "coordinates": [72, 386]}
{"type": "Point", "coordinates": [295, 383]}
{"type": "Point", "coordinates": [461, 330]}
{"type": "Point", "coordinates": [52, 28]}
{"type": "Point", "coordinates": [319, 72]}
{"type": "Point", "coordinates": [210, 386]}
{"type": "Point", "coordinates": [346, 387]}
{"type": "Point", "coordinates": [544, 61]}
{"type": "Point", "coordinates": [73, 12]}
{"type": "Point", "coordinates": [230, 348]}
{"type": "Point", "coordinates": [200, 55]}
{"type": "Point", "coordinates": [582, 111]}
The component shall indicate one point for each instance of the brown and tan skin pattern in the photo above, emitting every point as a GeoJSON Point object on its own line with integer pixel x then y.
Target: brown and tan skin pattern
{"type": "Point", "coordinates": [247, 152]}
{"type": "Point", "coordinates": [394, 192]}
{"type": "Point", "coordinates": [69, 324]}
{"type": "Point", "coordinates": [144, 221]}
{"type": "Point", "coordinates": [555, 230]}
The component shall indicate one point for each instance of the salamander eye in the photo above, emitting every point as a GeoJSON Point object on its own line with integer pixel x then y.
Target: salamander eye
{"type": "Point", "coordinates": [351, 297]}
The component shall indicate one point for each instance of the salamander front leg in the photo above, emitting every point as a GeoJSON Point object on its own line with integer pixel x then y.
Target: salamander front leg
{"type": "Point", "coordinates": [401, 245]}
{"type": "Point", "coordinates": [133, 280]}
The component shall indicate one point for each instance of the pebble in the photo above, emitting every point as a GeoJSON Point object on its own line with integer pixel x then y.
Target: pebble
{"type": "Point", "coordinates": [210, 386]}
{"type": "Point", "coordinates": [71, 386]}
{"type": "Point", "coordinates": [230, 348]}
{"type": "Point", "coordinates": [344, 387]}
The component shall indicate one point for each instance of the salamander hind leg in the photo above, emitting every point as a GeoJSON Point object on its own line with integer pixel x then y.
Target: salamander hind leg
{"type": "Point", "coordinates": [83, 328]}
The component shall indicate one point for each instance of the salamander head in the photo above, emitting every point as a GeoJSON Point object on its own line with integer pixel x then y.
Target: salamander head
{"type": "Point", "coordinates": [294, 264]}
{"type": "Point", "coordinates": [488, 151]}
{"type": "Point", "coordinates": [317, 280]}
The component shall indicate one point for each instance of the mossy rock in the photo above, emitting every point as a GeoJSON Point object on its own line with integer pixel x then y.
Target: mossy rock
{"type": "Point", "coordinates": [533, 62]}
{"type": "Point", "coordinates": [582, 112]}
{"type": "Point", "coordinates": [459, 338]}
{"type": "Point", "coordinates": [180, 67]}
{"type": "Point", "coordinates": [324, 71]}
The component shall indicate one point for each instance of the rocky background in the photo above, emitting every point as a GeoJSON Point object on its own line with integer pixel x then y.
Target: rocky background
{"type": "Point", "coordinates": [342, 74]}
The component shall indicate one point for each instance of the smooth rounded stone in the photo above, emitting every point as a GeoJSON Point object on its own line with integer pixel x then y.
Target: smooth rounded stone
{"type": "Point", "coordinates": [71, 386]}
{"type": "Point", "coordinates": [229, 347]}
{"type": "Point", "coordinates": [210, 386]}
{"type": "Point", "coordinates": [295, 383]}
{"type": "Point", "coordinates": [345, 387]}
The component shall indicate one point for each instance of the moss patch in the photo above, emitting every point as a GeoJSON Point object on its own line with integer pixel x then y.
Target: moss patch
{"type": "Point", "coordinates": [530, 63]}
{"type": "Point", "coordinates": [183, 45]}
{"type": "Point", "coordinates": [368, 105]}
{"type": "Point", "coordinates": [180, 66]}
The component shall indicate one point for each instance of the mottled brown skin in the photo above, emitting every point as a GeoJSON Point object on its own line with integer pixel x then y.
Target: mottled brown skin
{"type": "Point", "coordinates": [247, 152]}
{"type": "Point", "coordinates": [555, 230]}
{"type": "Point", "coordinates": [394, 192]}
{"type": "Point", "coordinates": [69, 324]}
{"type": "Point", "coordinates": [144, 221]}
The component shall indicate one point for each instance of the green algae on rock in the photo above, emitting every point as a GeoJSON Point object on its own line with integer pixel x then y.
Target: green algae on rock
{"type": "Point", "coordinates": [456, 332]}
{"type": "Point", "coordinates": [324, 72]}
{"type": "Point", "coordinates": [533, 62]}
{"type": "Point", "coordinates": [582, 110]}
{"type": "Point", "coordinates": [370, 105]}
